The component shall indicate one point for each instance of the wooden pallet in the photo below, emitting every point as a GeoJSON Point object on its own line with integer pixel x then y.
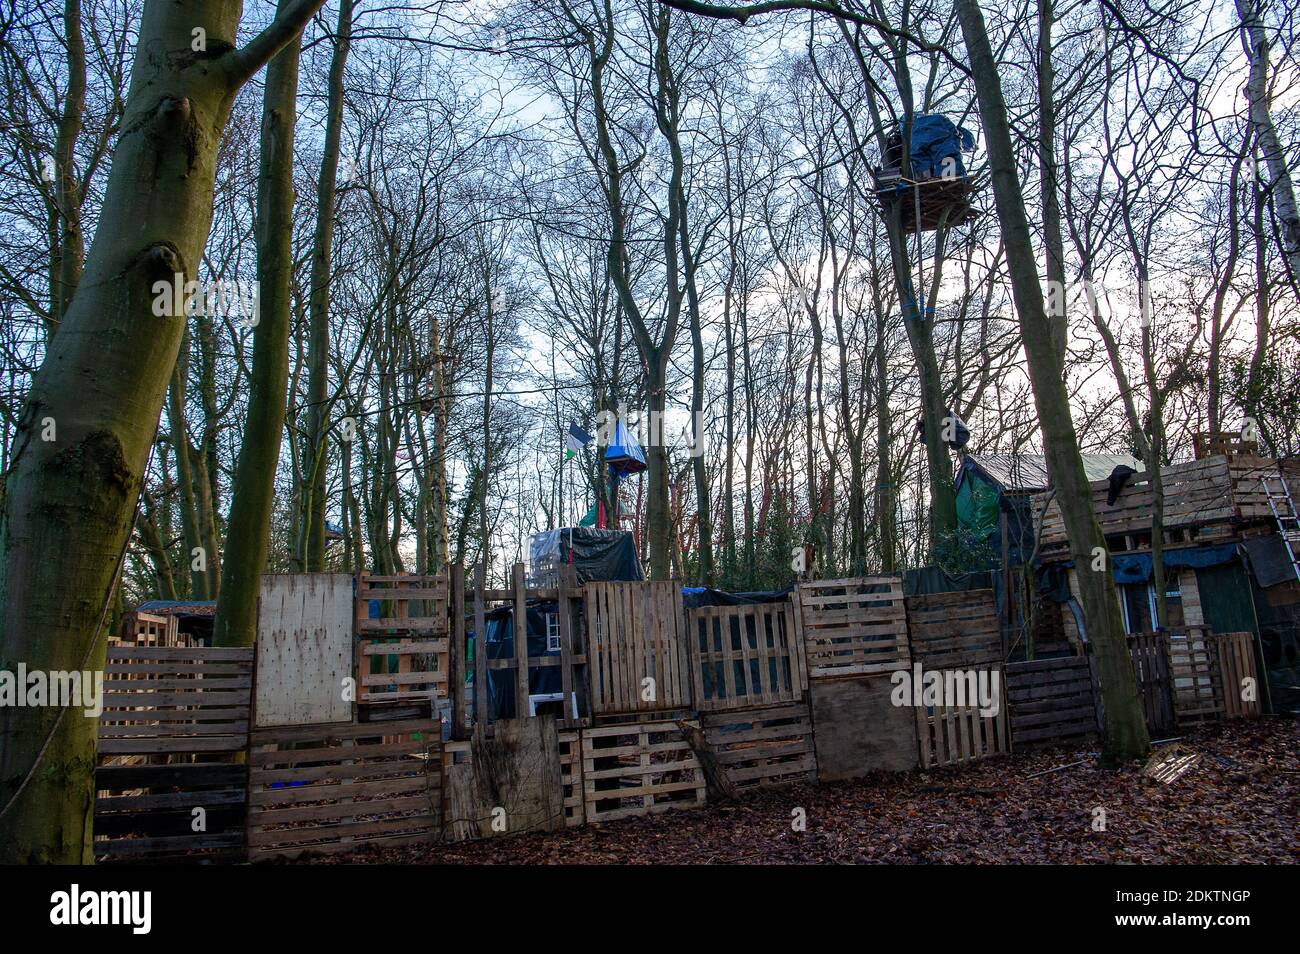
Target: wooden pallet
{"type": "Point", "coordinates": [404, 653]}
{"type": "Point", "coordinates": [745, 656]}
{"type": "Point", "coordinates": [640, 769]}
{"type": "Point", "coordinates": [571, 778]}
{"type": "Point", "coordinates": [952, 735]}
{"type": "Point", "coordinates": [1151, 671]}
{"type": "Point", "coordinates": [174, 720]}
{"type": "Point", "coordinates": [853, 627]}
{"type": "Point", "coordinates": [400, 677]}
{"type": "Point", "coordinates": [1236, 652]}
{"type": "Point", "coordinates": [1195, 675]}
{"type": "Point", "coordinates": [954, 630]}
{"type": "Point", "coordinates": [337, 788]}
{"type": "Point", "coordinates": [635, 633]}
{"type": "Point", "coordinates": [149, 629]}
{"type": "Point", "coordinates": [1051, 700]}
{"type": "Point", "coordinates": [763, 747]}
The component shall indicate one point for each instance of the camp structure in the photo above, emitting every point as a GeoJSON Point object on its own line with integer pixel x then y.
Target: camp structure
{"type": "Point", "coordinates": [1229, 552]}
{"type": "Point", "coordinates": [929, 185]}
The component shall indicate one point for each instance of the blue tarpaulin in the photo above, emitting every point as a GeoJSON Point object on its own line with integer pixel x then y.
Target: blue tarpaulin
{"type": "Point", "coordinates": [1136, 567]}
{"type": "Point", "coordinates": [935, 139]}
{"type": "Point", "coordinates": [624, 455]}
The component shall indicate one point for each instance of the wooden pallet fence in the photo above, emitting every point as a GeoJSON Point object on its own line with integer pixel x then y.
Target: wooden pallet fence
{"type": "Point", "coordinates": [1236, 652]}
{"type": "Point", "coordinates": [1051, 700]}
{"type": "Point", "coordinates": [1151, 671]}
{"type": "Point", "coordinates": [337, 788]}
{"type": "Point", "coordinates": [954, 630]}
{"type": "Point", "coordinates": [853, 627]}
{"type": "Point", "coordinates": [571, 778]}
{"type": "Point", "coordinates": [174, 718]}
{"type": "Point", "coordinates": [763, 747]}
{"type": "Point", "coordinates": [634, 634]}
{"type": "Point", "coordinates": [640, 769]}
{"type": "Point", "coordinates": [1195, 675]}
{"type": "Point", "coordinates": [404, 653]}
{"type": "Point", "coordinates": [745, 656]}
{"type": "Point", "coordinates": [952, 735]}
{"type": "Point", "coordinates": [571, 709]}
{"type": "Point", "coordinates": [400, 676]}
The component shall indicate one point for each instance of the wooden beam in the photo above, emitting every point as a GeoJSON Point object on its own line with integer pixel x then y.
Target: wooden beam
{"type": "Point", "coordinates": [568, 582]}
{"type": "Point", "coordinates": [521, 642]}
{"type": "Point", "coordinates": [480, 650]}
{"type": "Point", "coordinates": [456, 660]}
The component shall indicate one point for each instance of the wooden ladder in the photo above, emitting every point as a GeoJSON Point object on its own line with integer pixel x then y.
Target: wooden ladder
{"type": "Point", "coordinates": [1282, 504]}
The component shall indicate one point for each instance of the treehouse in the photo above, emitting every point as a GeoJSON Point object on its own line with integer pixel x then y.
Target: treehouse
{"type": "Point", "coordinates": [935, 189]}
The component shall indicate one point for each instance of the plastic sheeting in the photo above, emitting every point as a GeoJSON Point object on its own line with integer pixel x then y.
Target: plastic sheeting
{"type": "Point", "coordinates": [595, 554]}
{"type": "Point", "coordinates": [937, 145]}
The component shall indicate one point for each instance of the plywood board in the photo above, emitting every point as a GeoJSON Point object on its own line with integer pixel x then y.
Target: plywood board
{"type": "Point", "coordinates": [856, 729]}
{"type": "Point", "coordinates": [304, 649]}
{"type": "Point", "coordinates": [510, 784]}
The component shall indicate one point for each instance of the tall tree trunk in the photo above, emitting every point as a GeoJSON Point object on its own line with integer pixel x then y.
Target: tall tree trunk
{"type": "Point", "coordinates": [70, 251]}
{"type": "Point", "coordinates": [103, 383]}
{"type": "Point", "coordinates": [1047, 171]}
{"type": "Point", "coordinates": [1125, 730]}
{"type": "Point", "coordinates": [1261, 117]}
{"type": "Point", "coordinates": [253, 498]}
{"type": "Point", "coordinates": [315, 441]}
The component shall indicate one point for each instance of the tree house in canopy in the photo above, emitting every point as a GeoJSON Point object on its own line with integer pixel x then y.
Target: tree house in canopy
{"type": "Point", "coordinates": [935, 189]}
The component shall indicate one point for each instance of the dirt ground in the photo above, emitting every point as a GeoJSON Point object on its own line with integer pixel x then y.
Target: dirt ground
{"type": "Point", "coordinates": [1240, 803]}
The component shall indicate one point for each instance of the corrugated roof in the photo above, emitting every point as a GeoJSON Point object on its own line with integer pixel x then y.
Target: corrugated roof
{"type": "Point", "coordinates": [1028, 472]}
{"type": "Point", "coordinates": [179, 607]}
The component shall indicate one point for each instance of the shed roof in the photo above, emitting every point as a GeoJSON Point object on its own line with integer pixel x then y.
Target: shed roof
{"type": "Point", "coordinates": [1028, 472]}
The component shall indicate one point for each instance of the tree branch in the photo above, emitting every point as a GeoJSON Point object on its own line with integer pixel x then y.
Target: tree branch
{"type": "Point", "coordinates": [258, 51]}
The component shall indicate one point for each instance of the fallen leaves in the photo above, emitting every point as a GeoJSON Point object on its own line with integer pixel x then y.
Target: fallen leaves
{"type": "Point", "coordinates": [1239, 803]}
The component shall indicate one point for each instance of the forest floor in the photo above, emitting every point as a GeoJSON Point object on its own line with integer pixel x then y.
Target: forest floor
{"type": "Point", "coordinates": [1239, 803]}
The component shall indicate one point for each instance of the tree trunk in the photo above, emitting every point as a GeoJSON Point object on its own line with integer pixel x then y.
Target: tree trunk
{"type": "Point", "coordinates": [103, 384]}
{"type": "Point", "coordinates": [253, 497]}
{"type": "Point", "coordinates": [1125, 730]}
{"type": "Point", "coordinates": [1261, 117]}
{"type": "Point", "coordinates": [315, 442]}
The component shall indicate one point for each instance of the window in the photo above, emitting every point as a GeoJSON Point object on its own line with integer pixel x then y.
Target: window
{"type": "Point", "coordinates": [552, 633]}
{"type": "Point", "coordinates": [1139, 603]}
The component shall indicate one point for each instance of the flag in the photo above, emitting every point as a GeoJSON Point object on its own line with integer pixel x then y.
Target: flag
{"type": "Point", "coordinates": [575, 441]}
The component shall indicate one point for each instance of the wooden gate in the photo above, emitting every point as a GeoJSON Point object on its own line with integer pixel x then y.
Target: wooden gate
{"type": "Point", "coordinates": [173, 720]}
{"type": "Point", "coordinates": [951, 735]}
{"type": "Point", "coordinates": [853, 627]}
{"type": "Point", "coordinates": [745, 656]}
{"type": "Point", "coordinates": [634, 634]}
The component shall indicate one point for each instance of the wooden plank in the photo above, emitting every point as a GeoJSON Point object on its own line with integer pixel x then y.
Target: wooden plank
{"type": "Point", "coordinates": [304, 648]}
{"type": "Point", "coordinates": [520, 607]}
{"type": "Point", "coordinates": [456, 655]}
{"type": "Point", "coordinates": [857, 728]}
{"type": "Point", "coordinates": [854, 627]}
{"type": "Point", "coordinates": [480, 649]}
{"type": "Point", "coordinates": [1236, 652]}
{"type": "Point", "coordinates": [510, 784]}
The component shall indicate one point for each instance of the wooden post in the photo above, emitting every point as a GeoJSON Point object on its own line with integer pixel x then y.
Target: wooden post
{"type": "Point", "coordinates": [521, 643]}
{"type": "Point", "coordinates": [567, 579]}
{"type": "Point", "coordinates": [456, 657]}
{"type": "Point", "coordinates": [480, 651]}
